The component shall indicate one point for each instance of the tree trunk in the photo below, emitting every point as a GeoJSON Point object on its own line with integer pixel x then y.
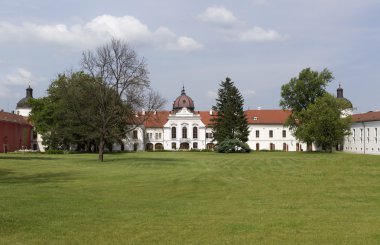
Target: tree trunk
{"type": "Point", "coordinates": [329, 148]}
{"type": "Point", "coordinates": [101, 150]}
{"type": "Point", "coordinates": [309, 146]}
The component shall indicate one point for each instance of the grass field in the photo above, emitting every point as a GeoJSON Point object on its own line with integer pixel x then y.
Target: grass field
{"type": "Point", "coordinates": [190, 198]}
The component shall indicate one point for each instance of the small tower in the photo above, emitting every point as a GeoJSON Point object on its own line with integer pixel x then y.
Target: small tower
{"type": "Point", "coordinates": [339, 92]}
{"type": "Point", "coordinates": [23, 107]}
{"type": "Point", "coordinates": [348, 110]}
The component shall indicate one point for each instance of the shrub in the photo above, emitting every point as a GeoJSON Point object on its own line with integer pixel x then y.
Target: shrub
{"type": "Point", "coordinates": [52, 151]}
{"type": "Point", "coordinates": [232, 146]}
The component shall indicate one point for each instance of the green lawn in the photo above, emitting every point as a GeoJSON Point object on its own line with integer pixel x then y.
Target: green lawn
{"type": "Point", "coordinates": [190, 198]}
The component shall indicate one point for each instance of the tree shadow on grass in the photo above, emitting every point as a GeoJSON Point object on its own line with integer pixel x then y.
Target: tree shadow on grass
{"type": "Point", "coordinates": [150, 161]}
{"type": "Point", "coordinates": [25, 158]}
{"type": "Point", "coordinates": [12, 177]}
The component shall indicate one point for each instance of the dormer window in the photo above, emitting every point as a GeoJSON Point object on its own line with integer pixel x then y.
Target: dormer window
{"type": "Point", "coordinates": [254, 118]}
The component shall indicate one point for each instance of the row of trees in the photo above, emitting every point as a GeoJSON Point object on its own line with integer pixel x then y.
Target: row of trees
{"type": "Point", "coordinates": [97, 105]}
{"type": "Point", "coordinates": [316, 115]}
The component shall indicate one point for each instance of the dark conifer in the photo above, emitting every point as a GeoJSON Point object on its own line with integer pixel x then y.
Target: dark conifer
{"type": "Point", "coordinates": [230, 121]}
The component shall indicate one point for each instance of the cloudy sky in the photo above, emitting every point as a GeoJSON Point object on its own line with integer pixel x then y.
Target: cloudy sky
{"type": "Point", "coordinates": [260, 44]}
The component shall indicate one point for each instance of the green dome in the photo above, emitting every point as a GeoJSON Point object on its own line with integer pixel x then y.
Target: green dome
{"type": "Point", "coordinates": [341, 97]}
{"type": "Point", "coordinates": [24, 102]}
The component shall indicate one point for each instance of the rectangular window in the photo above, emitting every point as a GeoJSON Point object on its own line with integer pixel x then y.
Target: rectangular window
{"type": "Point", "coordinates": [34, 135]}
{"type": "Point", "coordinates": [184, 132]}
{"type": "Point", "coordinates": [257, 133]}
{"type": "Point", "coordinates": [159, 135]}
{"type": "Point", "coordinates": [195, 145]}
{"type": "Point", "coordinates": [376, 135]}
{"type": "Point", "coordinates": [361, 135]}
{"type": "Point", "coordinates": [174, 146]}
{"type": "Point", "coordinates": [174, 132]}
{"type": "Point", "coordinates": [209, 135]}
{"type": "Point", "coordinates": [368, 135]}
{"type": "Point", "coordinates": [156, 136]}
{"type": "Point", "coordinates": [283, 133]}
{"type": "Point", "coordinates": [270, 133]}
{"type": "Point", "coordinates": [134, 134]}
{"type": "Point", "coordinates": [195, 132]}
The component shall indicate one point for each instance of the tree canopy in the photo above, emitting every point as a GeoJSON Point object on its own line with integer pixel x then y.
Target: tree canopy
{"type": "Point", "coordinates": [97, 104]}
{"type": "Point", "coordinates": [230, 121]}
{"type": "Point", "coordinates": [324, 123]}
{"type": "Point", "coordinates": [316, 115]}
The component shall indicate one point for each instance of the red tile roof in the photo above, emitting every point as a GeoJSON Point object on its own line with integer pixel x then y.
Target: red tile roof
{"type": "Point", "coordinates": [10, 117]}
{"type": "Point", "coordinates": [267, 116]}
{"type": "Point", "coordinates": [261, 116]}
{"type": "Point", "coordinates": [366, 117]}
{"type": "Point", "coordinates": [206, 117]}
{"type": "Point", "coordinates": [157, 120]}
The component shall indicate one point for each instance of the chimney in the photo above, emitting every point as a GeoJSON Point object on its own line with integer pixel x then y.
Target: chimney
{"type": "Point", "coordinates": [211, 112]}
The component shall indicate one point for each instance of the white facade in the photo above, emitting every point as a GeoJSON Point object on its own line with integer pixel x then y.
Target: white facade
{"type": "Point", "coordinates": [273, 137]}
{"type": "Point", "coordinates": [187, 130]}
{"type": "Point", "coordinates": [364, 138]}
{"type": "Point", "coordinates": [184, 130]}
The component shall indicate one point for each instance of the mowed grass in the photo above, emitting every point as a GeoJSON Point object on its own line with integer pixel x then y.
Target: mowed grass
{"type": "Point", "coordinates": [190, 198]}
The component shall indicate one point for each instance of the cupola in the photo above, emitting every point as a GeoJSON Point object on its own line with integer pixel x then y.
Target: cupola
{"type": "Point", "coordinates": [24, 102]}
{"type": "Point", "coordinates": [183, 101]}
{"type": "Point", "coordinates": [339, 95]}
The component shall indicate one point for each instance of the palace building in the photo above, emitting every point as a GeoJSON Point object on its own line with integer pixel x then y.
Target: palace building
{"type": "Point", "coordinates": [365, 132]}
{"type": "Point", "coordinates": [185, 128]}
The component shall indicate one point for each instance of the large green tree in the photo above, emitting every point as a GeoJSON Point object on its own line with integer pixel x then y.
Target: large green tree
{"type": "Point", "coordinates": [301, 92]}
{"type": "Point", "coordinates": [119, 68]}
{"type": "Point", "coordinates": [73, 112]}
{"type": "Point", "coordinates": [230, 121]}
{"type": "Point", "coordinates": [323, 122]}
{"type": "Point", "coordinates": [102, 101]}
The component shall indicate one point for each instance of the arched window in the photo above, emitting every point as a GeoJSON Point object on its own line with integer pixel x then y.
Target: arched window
{"type": "Point", "coordinates": [174, 132]}
{"type": "Point", "coordinates": [184, 132]}
{"type": "Point", "coordinates": [195, 133]}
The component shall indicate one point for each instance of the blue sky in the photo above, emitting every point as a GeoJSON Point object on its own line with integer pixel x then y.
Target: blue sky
{"type": "Point", "coordinates": [260, 44]}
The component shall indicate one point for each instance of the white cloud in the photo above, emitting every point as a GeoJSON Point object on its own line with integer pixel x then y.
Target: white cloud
{"type": "Point", "coordinates": [261, 2]}
{"type": "Point", "coordinates": [219, 16]}
{"type": "Point", "coordinates": [258, 34]}
{"type": "Point", "coordinates": [96, 31]}
{"type": "Point", "coordinates": [166, 39]}
{"type": "Point", "coordinates": [236, 30]}
{"type": "Point", "coordinates": [20, 77]}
